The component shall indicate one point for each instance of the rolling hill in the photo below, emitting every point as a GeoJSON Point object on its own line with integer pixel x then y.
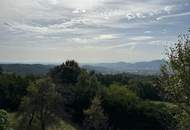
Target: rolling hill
{"type": "Point", "coordinates": [149, 67]}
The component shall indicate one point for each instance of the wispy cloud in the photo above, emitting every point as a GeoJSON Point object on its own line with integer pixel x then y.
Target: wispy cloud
{"type": "Point", "coordinates": [106, 37]}
{"type": "Point", "coordinates": [173, 15]}
{"type": "Point", "coordinates": [93, 25]}
{"type": "Point", "coordinates": [141, 38]}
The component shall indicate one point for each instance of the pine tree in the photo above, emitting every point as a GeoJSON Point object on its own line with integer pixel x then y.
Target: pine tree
{"type": "Point", "coordinates": [95, 118]}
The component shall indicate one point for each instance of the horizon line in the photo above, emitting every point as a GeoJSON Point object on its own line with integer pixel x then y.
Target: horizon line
{"type": "Point", "coordinates": [81, 63]}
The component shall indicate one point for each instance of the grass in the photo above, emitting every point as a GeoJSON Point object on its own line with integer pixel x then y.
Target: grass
{"type": "Point", "coordinates": [62, 125]}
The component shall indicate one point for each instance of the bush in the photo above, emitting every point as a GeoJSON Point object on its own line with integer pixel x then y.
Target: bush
{"type": "Point", "coordinates": [126, 111]}
{"type": "Point", "coordinates": [118, 104]}
{"type": "Point", "coordinates": [12, 89]}
{"type": "Point", "coordinates": [4, 123]}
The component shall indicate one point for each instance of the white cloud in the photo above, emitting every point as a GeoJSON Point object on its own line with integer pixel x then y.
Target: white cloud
{"type": "Point", "coordinates": [77, 11]}
{"type": "Point", "coordinates": [80, 4]}
{"type": "Point", "coordinates": [169, 8]}
{"type": "Point", "coordinates": [90, 40]}
{"type": "Point", "coordinates": [100, 24]}
{"type": "Point", "coordinates": [173, 15]}
{"type": "Point", "coordinates": [141, 38]}
{"type": "Point", "coordinates": [123, 45]}
{"type": "Point", "coordinates": [147, 32]}
{"type": "Point", "coordinates": [41, 30]}
{"type": "Point", "coordinates": [106, 37]}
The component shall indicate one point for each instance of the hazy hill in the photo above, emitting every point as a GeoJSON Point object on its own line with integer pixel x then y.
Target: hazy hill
{"type": "Point", "coordinates": [99, 69]}
{"type": "Point", "coordinates": [150, 67]}
{"type": "Point", "coordinates": [25, 69]}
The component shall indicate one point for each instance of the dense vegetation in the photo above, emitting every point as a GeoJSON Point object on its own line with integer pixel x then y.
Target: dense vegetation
{"type": "Point", "coordinates": [94, 101]}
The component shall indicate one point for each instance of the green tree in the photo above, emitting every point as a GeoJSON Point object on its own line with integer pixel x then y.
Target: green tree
{"type": "Point", "coordinates": [66, 73]}
{"type": "Point", "coordinates": [95, 118]}
{"type": "Point", "coordinates": [1, 70]}
{"type": "Point", "coordinates": [12, 90]}
{"type": "Point", "coordinates": [78, 97]}
{"type": "Point", "coordinates": [41, 104]}
{"type": "Point", "coordinates": [175, 74]}
{"type": "Point", "coordinates": [119, 103]}
{"type": "Point", "coordinates": [4, 123]}
{"type": "Point", "coordinates": [127, 111]}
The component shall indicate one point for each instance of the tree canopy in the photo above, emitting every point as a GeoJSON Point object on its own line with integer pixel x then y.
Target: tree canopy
{"type": "Point", "coordinates": [40, 104]}
{"type": "Point", "coordinates": [1, 70]}
{"type": "Point", "coordinates": [175, 76]}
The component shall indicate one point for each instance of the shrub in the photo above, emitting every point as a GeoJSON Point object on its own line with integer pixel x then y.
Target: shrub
{"type": "Point", "coordinates": [4, 123]}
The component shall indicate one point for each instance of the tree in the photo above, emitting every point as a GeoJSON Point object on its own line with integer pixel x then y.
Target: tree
{"type": "Point", "coordinates": [40, 104]}
{"type": "Point", "coordinates": [12, 90]}
{"type": "Point", "coordinates": [119, 103]}
{"type": "Point", "coordinates": [175, 74]}
{"type": "Point", "coordinates": [66, 73]}
{"type": "Point", "coordinates": [1, 70]}
{"type": "Point", "coordinates": [95, 118]}
{"type": "Point", "coordinates": [127, 111]}
{"type": "Point", "coordinates": [78, 97]}
{"type": "Point", "coordinates": [144, 89]}
{"type": "Point", "coordinates": [4, 122]}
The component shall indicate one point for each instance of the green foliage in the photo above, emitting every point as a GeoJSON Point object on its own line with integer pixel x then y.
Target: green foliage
{"type": "Point", "coordinates": [4, 122]}
{"type": "Point", "coordinates": [175, 77]}
{"type": "Point", "coordinates": [70, 93]}
{"type": "Point", "coordinates": [95, 118]}
{"type": "Point", "coordinates": [40, 104]}
{"type": "Point", "coordinates": [78, 97]}
{"type": "Point", "coordinates": [182, 119]}
{"type": "Point", "coordinates": [120, 95]}
{"type": "Point", "coordinates": [117, 103]}
{"type": "Point", "coordinates": [143, 86]}
{"type": "Point", "coordinates": [145, 89]}
{"type": "Point", "coordinates": [126, 111]}
{"type": "Point", "coordinates": [62, 125]}
{"type": "Point", "coordinates": [109, 79]}
{"type": "Point", "coordinates": [66, 73]}
{"type": "Point", "coordinates": [12, 89]}
{"type": "Point", "coordinates": [161, 115]}
{"type": "Point", "coordinates": [1, 70]}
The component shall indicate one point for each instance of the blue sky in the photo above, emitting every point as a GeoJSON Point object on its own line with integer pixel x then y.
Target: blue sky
{"type": "Point", "coordinates": [90, 30]}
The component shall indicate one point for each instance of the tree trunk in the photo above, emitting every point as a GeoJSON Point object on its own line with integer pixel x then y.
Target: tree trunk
{"type": "Point", "coordinates": [31, 119]}
{"type": "Point", "coordinates": [42, 125]}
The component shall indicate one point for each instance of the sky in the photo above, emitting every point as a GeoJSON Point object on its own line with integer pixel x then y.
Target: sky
{"type": "Point", "coordinates": [90, 31]}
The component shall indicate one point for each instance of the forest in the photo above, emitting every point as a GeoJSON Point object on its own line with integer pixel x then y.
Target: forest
{"type": "Point", "coordinates": [69, 97]}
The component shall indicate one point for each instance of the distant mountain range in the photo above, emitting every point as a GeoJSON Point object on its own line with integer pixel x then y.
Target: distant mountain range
{"type": "Point", "coordinates": [150, 67]}
{"type": "Point", "coordinates": [26, 69]}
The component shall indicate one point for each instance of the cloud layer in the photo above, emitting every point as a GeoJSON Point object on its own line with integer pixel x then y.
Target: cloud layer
{"type": "Point", "coordinates": [89, 30]}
